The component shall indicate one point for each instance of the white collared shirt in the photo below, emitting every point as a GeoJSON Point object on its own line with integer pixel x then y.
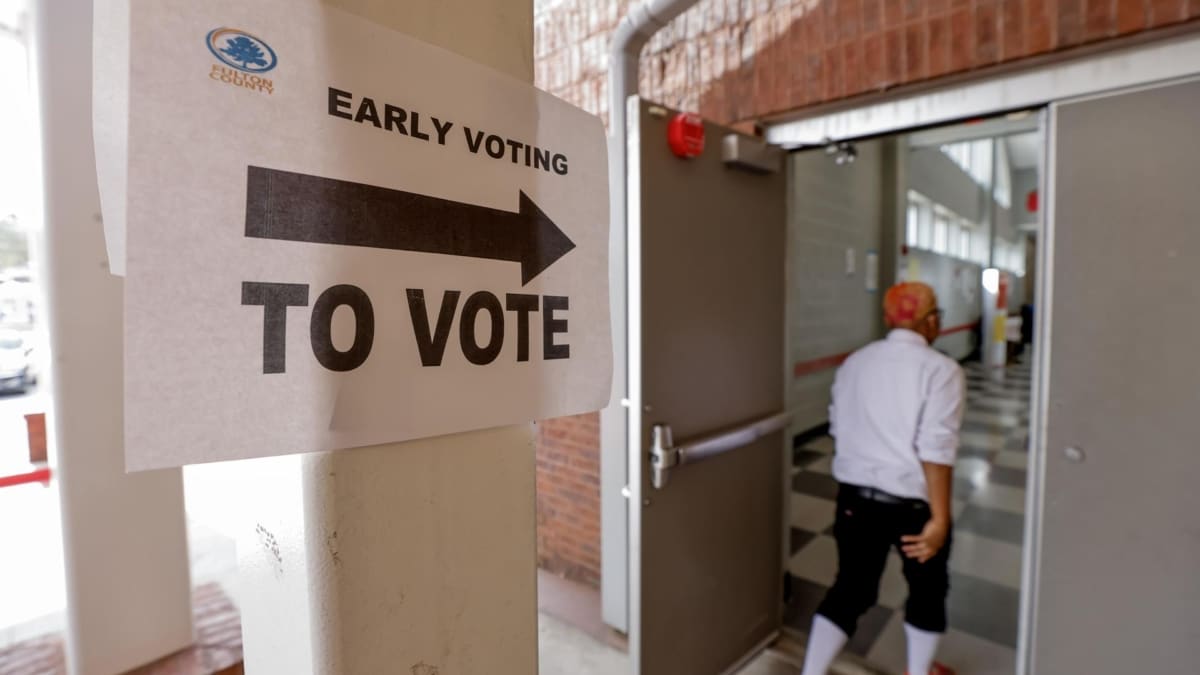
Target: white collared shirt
{"type": "Point", "coordinates": [896, 403]}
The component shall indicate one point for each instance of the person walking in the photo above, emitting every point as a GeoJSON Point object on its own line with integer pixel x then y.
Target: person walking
{"type": "Point", "coordinates": [895, 418]}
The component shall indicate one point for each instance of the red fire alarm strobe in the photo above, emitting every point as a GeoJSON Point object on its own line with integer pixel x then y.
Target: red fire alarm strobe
{"type": "Point", "coordinates": [1031, 201]}
{"type": "Point", "coordinates": [685, 135]}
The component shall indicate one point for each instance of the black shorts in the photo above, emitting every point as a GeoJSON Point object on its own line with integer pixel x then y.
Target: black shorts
{"type": "Point", "coordinates": [865, 531]}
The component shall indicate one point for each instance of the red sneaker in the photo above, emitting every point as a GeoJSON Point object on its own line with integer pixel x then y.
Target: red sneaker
{"type": "Point", "coordinates": [939, 669]}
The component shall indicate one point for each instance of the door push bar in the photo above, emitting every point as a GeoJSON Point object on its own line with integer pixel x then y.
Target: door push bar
{"type": "Point", "coordinates": [665, 455]}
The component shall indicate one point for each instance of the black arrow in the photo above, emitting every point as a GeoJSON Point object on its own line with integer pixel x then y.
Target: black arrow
{"type": "Point", "coordinates": [299, 207]}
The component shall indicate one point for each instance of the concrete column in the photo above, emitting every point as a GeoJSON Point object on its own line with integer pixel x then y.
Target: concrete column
{"type": "Point", "coordinates": [408, 558]}
{"type": "Point", "coordinates": [124, 537]}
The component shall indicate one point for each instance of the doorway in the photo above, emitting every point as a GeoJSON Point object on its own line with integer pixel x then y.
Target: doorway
{"type": "Point", "coordinates": [940, 205]}
{"type": "Point", "coordinates": [953, 207]}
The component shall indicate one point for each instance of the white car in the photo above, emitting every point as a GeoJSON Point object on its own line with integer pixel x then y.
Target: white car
{"type": "Point", "coordinates": [17, 371]}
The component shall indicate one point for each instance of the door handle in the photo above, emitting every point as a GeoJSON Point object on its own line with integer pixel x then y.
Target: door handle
{"type": "Point", "coordinates": [666, 456]}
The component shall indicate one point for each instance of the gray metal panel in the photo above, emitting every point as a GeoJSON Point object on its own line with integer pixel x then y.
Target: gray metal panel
{"type": "Point", "coordinates": [614, 419]}
{"type": "Point", "coordinates": [1118, 590]}
{"type": "Point", "coordinates": [711, 355]}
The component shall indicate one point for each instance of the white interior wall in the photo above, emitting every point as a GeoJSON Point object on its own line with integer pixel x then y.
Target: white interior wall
{"type": "Point", "coordinates": [835, 208]}
{"type": "Point", "coordinates": [933, 174]}
{"type": "Point", "coordinates": [1007, 220]}
{"type": "Point", "coordinates": [1005, 226]}
{"type": "Point", "coordinates": [1023, 182]}
{"type": "Point", "coordinates": [832, 209]}
{"type": "Point", "coordinates": [957, 283]}
{"type": "Point", "coordinates": [1017, 292]}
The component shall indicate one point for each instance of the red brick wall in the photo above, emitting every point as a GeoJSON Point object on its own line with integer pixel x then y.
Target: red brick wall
{"type": "Point", "coordinates": [568, 497]}
{"type": "Point", "coordinates": [739, 60]}
{"type": "Point", "coordinates": [734, 60]}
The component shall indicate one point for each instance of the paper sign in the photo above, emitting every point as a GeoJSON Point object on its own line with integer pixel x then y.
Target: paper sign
{"type": "Point", "coordinates": [339, 236]}
{"type": "Point", "coordinates": [872, 275]}
{"type": "Point", "coordinates": [914, 269]}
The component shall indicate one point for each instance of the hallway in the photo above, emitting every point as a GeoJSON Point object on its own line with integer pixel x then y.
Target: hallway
{"type": "Point", "coordinates": [985, 562]}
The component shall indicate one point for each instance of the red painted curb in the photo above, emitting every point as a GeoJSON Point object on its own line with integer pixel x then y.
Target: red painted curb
{"type": "Point", "coordinates": [39, 476]}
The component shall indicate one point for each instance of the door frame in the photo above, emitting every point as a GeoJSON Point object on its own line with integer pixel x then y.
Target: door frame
{"type": "Point", "coordinates": [1040, 380]}
{"type": "Point", "coordinates": [1146, 61]}
{"type": "Point", "coordinates": [1041, 89]}
{"type": "Point", "coordinates": [632, 399]}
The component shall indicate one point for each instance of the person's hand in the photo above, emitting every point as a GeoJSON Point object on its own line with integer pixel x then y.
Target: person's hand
{"type": "Point", "coordinates": [927, 544]}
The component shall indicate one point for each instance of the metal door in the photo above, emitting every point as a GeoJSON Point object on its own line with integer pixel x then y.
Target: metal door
{"type": "Point", "coordinates": [706, 354]}
{"type": "Point", "coordinates": [1118, 546]}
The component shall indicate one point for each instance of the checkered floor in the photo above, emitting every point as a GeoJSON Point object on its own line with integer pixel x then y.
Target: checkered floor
{"type": "Point", "coordinates": [985, 562]}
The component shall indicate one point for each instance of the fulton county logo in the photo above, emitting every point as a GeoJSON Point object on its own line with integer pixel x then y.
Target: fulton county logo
{"type": "Point", "coordinates": [241, 50]}
{"type": "Point", "coordinates": [244, 58]}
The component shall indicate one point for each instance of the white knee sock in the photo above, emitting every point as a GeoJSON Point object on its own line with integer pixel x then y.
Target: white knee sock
{"type": "Point", "coordinates": [824, 642]}
{"type": "Point", "coordinates": [921, 647]}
